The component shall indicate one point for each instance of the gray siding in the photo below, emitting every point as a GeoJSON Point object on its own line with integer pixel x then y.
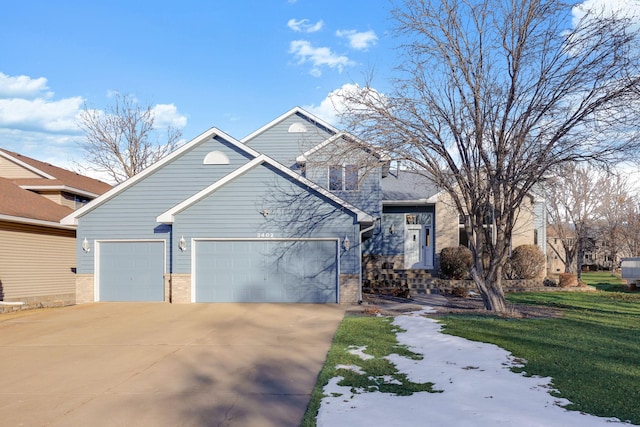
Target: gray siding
{"type": "Point", "coordinates": [233, 211]}
{"type": "Point", "coordinates": [132, 213]}
{"type": "Point", "coordinates": [281, 145]}
{"type": "Point", "coordinates": [369, 194]}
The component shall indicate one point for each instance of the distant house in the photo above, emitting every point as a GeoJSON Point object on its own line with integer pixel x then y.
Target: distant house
{"type": "Point", "coordinates": [274, 217]}
{"type": "Point", "coordinates": [37, 253]}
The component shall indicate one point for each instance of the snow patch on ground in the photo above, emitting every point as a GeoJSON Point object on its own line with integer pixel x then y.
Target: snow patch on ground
{"type": "Point", "coordinates": [478, 388]}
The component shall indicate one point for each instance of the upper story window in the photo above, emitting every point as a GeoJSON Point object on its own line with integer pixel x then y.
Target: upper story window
{"type": "Point", "coordinates": [343, 178]}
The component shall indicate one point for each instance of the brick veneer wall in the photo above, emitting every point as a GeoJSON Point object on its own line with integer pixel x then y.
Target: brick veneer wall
{"type": "Point", "coordinates": [180, 288]}
{"type": "Point", "coordinates": [84, 289]}
{"type": "Point", "coordinates": [349, 288]}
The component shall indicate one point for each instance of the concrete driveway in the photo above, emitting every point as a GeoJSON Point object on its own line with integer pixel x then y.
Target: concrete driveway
{"type": "Point", "coordinates": [157, 364]}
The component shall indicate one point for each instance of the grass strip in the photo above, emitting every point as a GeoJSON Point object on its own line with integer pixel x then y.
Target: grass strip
{"type": "Point", "coordinates": [376, 336]}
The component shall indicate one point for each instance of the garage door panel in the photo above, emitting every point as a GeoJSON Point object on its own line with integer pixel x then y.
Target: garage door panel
{"type": "Point", "coordinates": [131, 271]}
{"type": "Point", "coordinates": [266, 271]}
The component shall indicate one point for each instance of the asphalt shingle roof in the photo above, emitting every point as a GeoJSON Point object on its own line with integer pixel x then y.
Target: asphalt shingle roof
{"type": "Point", "coordinates": [402, 185]}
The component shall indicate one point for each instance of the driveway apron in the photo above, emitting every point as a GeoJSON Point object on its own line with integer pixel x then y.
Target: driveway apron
{"type": "Point", "coordinates": [158, 364]}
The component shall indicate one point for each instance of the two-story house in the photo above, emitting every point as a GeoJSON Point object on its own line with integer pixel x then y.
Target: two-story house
{"type": "Point", "coordinates": [37, 253]}
{"type": "Point", "coordinates": [274, 217]}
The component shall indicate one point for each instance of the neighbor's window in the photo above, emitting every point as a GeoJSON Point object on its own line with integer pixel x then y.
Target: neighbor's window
{"type": "Point", "coordinates": [343, 177]}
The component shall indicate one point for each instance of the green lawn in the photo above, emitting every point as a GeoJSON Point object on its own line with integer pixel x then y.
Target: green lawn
{"type": "Point", "coordinates": [592, 352]}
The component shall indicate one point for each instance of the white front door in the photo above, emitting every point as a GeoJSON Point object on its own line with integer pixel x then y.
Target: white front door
{"type": "Point", "coordinates": [418, 248]}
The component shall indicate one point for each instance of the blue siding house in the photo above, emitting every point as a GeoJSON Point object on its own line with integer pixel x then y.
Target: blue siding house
{"type": "Point", "coordinates": [275, 217]}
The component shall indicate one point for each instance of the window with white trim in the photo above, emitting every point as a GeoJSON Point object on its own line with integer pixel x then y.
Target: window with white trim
{"type": "Point", "coordinates": [343, 178]}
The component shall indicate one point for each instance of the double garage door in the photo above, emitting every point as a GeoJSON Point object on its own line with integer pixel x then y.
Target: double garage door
{"type": "Point", "coordinates": [266, 271]}
{"type": "Point", "coordinates": [225, 271]}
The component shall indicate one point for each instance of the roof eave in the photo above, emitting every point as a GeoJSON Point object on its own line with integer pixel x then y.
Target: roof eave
{"type": "Point", "coordinates": [40, 222]}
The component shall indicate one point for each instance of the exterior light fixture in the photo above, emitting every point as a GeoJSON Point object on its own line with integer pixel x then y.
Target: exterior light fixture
{"type": "Point", "coordinates": [182, 244]}
{"type": "Point", "coordinates": [85, 245]}
{"type": "Point", "coordinates": [346, 243]}
{"type": "Point", "coordinates": [265, 213]}
{"type": "Point", "coordinates": [392, 229]}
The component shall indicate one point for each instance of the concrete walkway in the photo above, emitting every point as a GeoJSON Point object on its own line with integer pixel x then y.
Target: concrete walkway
{"type": "Point", "coordinates": [129, 364]}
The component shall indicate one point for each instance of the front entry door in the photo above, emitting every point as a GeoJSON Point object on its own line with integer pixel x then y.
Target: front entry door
{"type": "Point", "coordinates": [418, 246]}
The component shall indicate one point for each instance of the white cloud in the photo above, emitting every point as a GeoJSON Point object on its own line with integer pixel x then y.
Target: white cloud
{"type": "Point", "coordinates": [304, 26]}
{"type": "Point", "coordinates": [23, 87]}
{"type": "Point", "coordinates": [620, 8]}
{"type": "Point", "coordinates": [359, 40]}
{"type": "Point", "coordinates": [335, 104]}
{"type": "Point", "coordinates": [318, 57]}
{"type": "Point", "coordinates": [167, 115]}
{"type": "Point", "coordinates": [40, 114]}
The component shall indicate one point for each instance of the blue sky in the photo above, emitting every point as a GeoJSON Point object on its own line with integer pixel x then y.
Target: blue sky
{"type": "Point", "coordinates": [235, 65]}
{"type": "Point", "coordinates": [230, 64]}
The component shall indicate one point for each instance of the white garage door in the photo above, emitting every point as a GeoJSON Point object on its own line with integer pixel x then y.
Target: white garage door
{"type": "Point", "coordinates": [266, 271]}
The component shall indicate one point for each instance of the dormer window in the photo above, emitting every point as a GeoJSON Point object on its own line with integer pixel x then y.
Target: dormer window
{"type": "Point", "coordinates": [343, 178]}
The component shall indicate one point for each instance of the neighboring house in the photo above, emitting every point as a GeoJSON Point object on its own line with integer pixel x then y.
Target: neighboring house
{"type": "Point", "coordinates": [37, 253]}
{"type": "Point", "coordinates": [275, 217]}
{"type": "Point", "coordinates": [597, 253]}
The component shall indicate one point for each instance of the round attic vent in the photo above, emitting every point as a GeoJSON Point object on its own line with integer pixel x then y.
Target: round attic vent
{"type": "Point", "coordinates": [216, 158]}
{"type": "Point", "coordinates": [297, 128]}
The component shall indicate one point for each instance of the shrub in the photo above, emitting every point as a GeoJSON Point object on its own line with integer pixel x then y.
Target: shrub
{"type": "Point", "coordinates": [526, 262]}
{"type": "Point", "coordinates": [455, 263]}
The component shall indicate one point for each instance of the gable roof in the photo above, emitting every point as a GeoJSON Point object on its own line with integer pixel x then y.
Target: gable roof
{"type": "Point", "coordinates": [53, 177]}
{"type": "Point", "coordinates": [296, 110]}
{"type": "Point", "coordinates": [203, 137]}
{"type": "Point", "coordinates": [72, 218]}
{"type": "Point", "coordinates": [19, 205]}
{"type": "Point", "coordinates": [168, 217]}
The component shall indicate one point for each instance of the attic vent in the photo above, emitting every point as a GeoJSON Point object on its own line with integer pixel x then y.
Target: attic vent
{"type": "Point", "coordinates": [297, 128]}
{"type": "Point", "coordinates": [216, 158]}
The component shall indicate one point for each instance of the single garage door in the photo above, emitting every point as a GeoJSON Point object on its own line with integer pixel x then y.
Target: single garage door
{"type": "Point", "coordinates": [131, 271]}
{"type": "Point", "coordinates": [266, 271]}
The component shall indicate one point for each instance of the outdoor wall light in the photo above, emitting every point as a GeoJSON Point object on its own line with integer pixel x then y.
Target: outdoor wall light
{"type": "Point", "coordinates": [392, 229]}
{"type": "Point", "coordinates": [182, 244]}
{"type": "Point", "coordinates": [346, 243]}
{"type": "Point", "coordinates": [85, 245]}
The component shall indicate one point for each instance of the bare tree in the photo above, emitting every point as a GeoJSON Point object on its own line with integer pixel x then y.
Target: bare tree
{"type": "Point", "coordinates": [631, 228]}
{"type": "Point", "coordinates": [123, 140]}
{"type": "Point", "coordinates": [490, 96]}
{"type": "Point", "coordinates": [574, 199]}
{"type": "Point", "coordinates": [615, 197]}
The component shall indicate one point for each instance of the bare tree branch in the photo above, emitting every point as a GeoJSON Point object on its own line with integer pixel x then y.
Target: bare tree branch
{"type": "Point", "coordinates": [123, 140]}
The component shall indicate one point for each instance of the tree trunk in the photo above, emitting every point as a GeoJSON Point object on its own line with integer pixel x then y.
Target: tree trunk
{"type": "Point", "coordinates": [490, 289]}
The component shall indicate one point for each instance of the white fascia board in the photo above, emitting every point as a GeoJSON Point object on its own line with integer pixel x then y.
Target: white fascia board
{"type": "Point", "coordinates": [303, 157]}
{"type": "Point", "coordinates": [168, 217]}
{"type": "Point", "coordinates": [39, 222]}
{"type": "Point", "coordinates": [26, 166]}
{"type": "Point", "coordinates": [72, 219]}
{"type": "Point", "coordinates": [283, 117]}
{"type": "Point", "coordinates": [59, 188]}
{"type": "Point", "coordinates": [431, 200]}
